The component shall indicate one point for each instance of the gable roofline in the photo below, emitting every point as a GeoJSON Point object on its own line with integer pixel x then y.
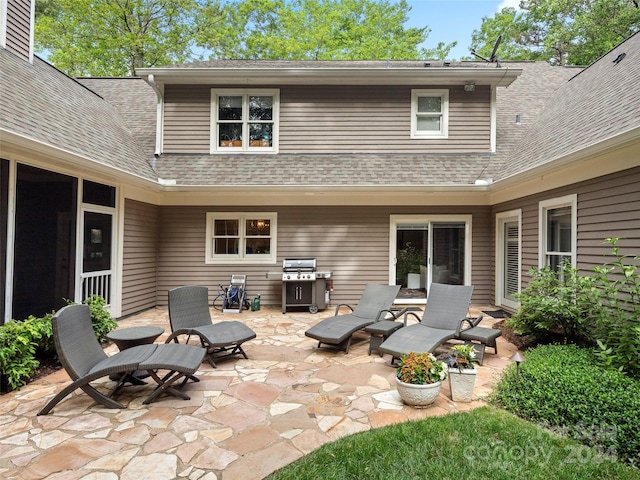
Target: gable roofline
{"type": "Point", "coordinates": [262, 72]}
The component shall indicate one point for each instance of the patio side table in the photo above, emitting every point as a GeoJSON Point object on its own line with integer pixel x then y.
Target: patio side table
{"type": "Point", "coordinates": [131, 337]}
{"type": "Point", "coordinates": [380, 331]}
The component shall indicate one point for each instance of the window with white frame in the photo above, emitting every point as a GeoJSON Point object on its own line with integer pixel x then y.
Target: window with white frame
{"type": "Point", "coordinates": [244, 120]}
{"type": "Point", "coordinates": [429, 113]}
{"type": "Point", "coordinates": [241, 237]}
{"type": "Point", "coordinates": [558, 234]}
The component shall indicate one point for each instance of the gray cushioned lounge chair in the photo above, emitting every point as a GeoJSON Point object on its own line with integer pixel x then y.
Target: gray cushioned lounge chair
{"type": "Point", "coordinates": [445, 314]}
{"type": "Point", "coordinates": [189, 315]}
{"type": "Point", "coordinates": [374, 305]}
{"type": "Point", "coordinates": [84, 360]}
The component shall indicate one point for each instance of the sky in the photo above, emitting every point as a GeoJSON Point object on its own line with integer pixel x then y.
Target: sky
{"type": "Point", "coordinates": [453, 20]}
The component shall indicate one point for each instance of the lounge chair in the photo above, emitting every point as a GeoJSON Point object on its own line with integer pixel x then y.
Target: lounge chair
{"type": "Point", "coordinates": [444, 316]}
{"type": "Point", "coordinates": [84, 360]}
{"type": "Point", "coordinates": [374, 305]}
{"type": "Point", "coordinates": [189, 315]}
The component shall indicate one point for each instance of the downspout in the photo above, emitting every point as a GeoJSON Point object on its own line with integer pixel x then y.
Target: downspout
{"type": "Point", "coordinates": [159, 110]}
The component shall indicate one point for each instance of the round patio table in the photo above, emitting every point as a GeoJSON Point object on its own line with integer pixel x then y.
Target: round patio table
{"type": "Point", "coordinates": [130, 337]}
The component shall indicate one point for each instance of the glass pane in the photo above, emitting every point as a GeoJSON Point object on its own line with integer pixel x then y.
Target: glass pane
{"type": "Point", "coordinates": [259, 227]}
{"type": "Point", "coordinates": [225, 246]}
{"type": "Point", "coordinates": [559, 230]}
{"type": "Point", "coordinates": [511, 260]}
{"type": "Point", "coordinates": [430, 124]}
{"type": "Point", "coordinates": [448, 253]}
{"type": "Point", "coordinates": [258, 246]}
{"type": "Point", "coordinates": [260, 108]}
{"type": "Point", "coordinates": [225, 228]}
{"type": "Point", "coordinates": [261, 134]}
{"type": "Point", "coordinates": [229, 107]}
{"type": "Point", "coordinates": [98, 194]}
{"type": "Point", "coordinates": [230, 134]}
{"type": "Point", "coordinates": [411, 260]}
{"type": "Point", "coordinates": [554, 261]}
{"type": "Point", "coordinates": [430, 104]}
{"type": "Point", "coordinates": [97, 242]}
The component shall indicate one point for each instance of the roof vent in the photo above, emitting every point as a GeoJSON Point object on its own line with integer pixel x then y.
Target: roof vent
{"type": "Point", "coordinates": [427, 64]}
{"type": "Point", "coordinates": [447, 63]}
{"type": "Point", "coordinates": [619, 58]}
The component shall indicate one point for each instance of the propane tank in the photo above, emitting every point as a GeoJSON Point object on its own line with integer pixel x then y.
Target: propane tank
{"type": "Point", "coordinates": [255, 304]}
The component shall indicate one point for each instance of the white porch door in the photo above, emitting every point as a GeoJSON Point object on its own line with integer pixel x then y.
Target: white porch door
{"type": "Point", "coordinates": [97, 254]}
{"type": "Point", "coordinates": [508, 275]}
{"type": "Point", "coordinates": [427, 249]}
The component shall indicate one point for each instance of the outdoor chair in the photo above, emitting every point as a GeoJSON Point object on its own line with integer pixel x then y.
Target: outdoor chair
{"type": "Point", "coordinates": [84, 360]}
{"type": "Point", "coordinates": [374, 305]}
{"type": "Point", "coordinates": [444, 316]}
{"type": "Point", "coordinates": [189, 315]}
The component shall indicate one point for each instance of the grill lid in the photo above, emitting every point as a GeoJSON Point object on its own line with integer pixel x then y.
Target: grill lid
{"type": "Point", "coordinates": [299, 264]}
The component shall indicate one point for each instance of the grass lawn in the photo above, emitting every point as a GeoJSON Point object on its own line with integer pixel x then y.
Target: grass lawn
{"type": "Point", "coordinates": [485, 443]}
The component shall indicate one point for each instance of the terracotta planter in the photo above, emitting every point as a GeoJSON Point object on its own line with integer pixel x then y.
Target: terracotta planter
{"type": "Point", "coordinates": [418, 395]}
{"type": "Point", "coordinates": [462, 383]}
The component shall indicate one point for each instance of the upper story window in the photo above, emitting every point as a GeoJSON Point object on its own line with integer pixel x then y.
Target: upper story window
{"type": "Point", "coordinates": [244, 120]}
{"type": "Point", "coordinates": [429, 113]}
{"type": "Point", "coordinates": [558, 234]}
{"type": "Point", "coordinates": [241, 237]}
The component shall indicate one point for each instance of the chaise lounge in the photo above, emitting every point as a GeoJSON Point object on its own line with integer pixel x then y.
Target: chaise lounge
{"type": "Point", "coordinates": [374, 305]}
{"type": "Point", "coordinates": [444, 317]}
{"type": "Point", "coordinates": [189, 315]}
{"type": "Point", "coordinates": [84, 360]}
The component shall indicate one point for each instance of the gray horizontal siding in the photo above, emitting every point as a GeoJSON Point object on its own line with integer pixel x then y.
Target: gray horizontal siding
{"type": "Point", "coordinates": [18, 27]}
{"type": "Point", "coordinates": [608, 206]}
{"type": "Point", "coordinates": [324, 119]}
{"type": "Point", "coordinates": [140, 257]}
{"type": "Point", "coordinates": [353, 243]}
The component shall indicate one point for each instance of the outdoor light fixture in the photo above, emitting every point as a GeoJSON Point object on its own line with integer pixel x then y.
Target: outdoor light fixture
{"type": "Point", "coordinates": [469, 87]}
{"type": "Point", "coordinates": [518, 358]}
{"type": "Point", "coordinates": [518, 121]}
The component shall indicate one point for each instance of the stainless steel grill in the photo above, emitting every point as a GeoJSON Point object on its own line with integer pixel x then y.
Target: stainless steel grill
{"type": "Point", "coordinates": [302, 284]}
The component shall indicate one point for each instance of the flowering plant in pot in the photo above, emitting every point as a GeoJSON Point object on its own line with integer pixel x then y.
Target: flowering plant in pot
{"type": "Point", "coordinates": [462, 372]}
{"type": "Point", "coordinates": [419, 377]}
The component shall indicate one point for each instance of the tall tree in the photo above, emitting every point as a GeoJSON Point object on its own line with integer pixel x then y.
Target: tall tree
{"type": "Point", "coordinates": [115, 37]}
{"type": "Point", "coordinates": [573, 32]}
{"type": "Point", "coordinates": [325, 30]}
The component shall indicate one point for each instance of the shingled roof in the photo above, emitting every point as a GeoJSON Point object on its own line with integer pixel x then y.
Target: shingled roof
{"type": "Point", "coordinates": [598, 104]}
{"type": "Point", "coordinates": [41, 104]}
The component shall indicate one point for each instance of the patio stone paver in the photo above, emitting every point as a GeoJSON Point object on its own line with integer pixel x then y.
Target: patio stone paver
{"type": "Point", "coordinates": [245, 419]}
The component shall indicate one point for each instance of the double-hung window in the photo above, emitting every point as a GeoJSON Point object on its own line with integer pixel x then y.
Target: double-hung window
{"type": "Point", "coordinates": [558, 227]}
{"type": "Point", "coordinates": [244, 120]}
{"type": "Point", "coordinates": [429, 113]}
{"type": "Point", "coordinates": [241, 237]}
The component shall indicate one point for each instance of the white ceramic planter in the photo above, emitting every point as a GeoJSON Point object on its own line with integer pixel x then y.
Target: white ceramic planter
{"type": "Point", "coordinates": [462, 383]}
{"type": "Point", "coordinates": [418, 395]}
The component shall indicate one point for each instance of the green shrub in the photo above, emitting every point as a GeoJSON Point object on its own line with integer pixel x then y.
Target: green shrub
{"type": "Point", "coordinates": [563, 386]}
{"type": "Point", "coordinates": [101, 319]}
{"type": "Point", "coordinates": [20, 343]}
{"type": "Point", "coordinates": [617, 321]}
{"type": "Point", "coordinates": [556, 302]}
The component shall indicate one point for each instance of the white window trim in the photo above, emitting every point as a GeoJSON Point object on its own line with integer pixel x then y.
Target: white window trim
{"type": "Point", "coordinates": [444, 125]}
{"type": "Point", "coordinates": [501, 219]}
{"type": "Point", "coordinates": [544, 207]}
{"type": "Point", "coordinates": [241, 258]}
{"type": "Point", "coordinates": [245, 148]}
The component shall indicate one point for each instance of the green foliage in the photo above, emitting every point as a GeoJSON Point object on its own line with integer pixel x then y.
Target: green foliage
{"type": "Point", "coordinates": [556, 302]}
{"type": "Point", "coordinates": [409, 260]}
{"type": "Point", "coordinates": [462, 356]}
{"type": "Point", "coordinates": [101, 319]}
{"type": "Point", "coordinates": [617, 321]}
{"type": "Point", "coordinates": [562, 32]}
{"type": "Point", "coordinates": [564, 387]}
{"type": "Point", "coordinates": [420, 369]}
{"type": "Point", "coordinates": [20, 342]}
{"type": "Point", "coordinates": [485, 443]}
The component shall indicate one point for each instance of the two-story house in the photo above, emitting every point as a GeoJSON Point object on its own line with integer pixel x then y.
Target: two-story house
{"type": "Point", "coordinates": [407, 172]}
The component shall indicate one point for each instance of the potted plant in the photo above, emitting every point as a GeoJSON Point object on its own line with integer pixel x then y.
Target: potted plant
{"type": "Point", "coordinates": [462, 372]}
{"type": "Point", "coordinates": [419, 377]}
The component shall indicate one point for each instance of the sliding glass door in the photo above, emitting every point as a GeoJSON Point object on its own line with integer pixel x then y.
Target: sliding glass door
{"type": "Point", "coordinates": [427, 249]}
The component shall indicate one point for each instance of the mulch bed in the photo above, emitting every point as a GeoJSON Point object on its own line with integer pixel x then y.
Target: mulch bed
{"type": "Point", "coordinates": [522, 342]}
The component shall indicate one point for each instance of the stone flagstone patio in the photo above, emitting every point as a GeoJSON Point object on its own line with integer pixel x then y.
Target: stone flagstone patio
{"type": "Point", "coordinates": [245, 419]}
